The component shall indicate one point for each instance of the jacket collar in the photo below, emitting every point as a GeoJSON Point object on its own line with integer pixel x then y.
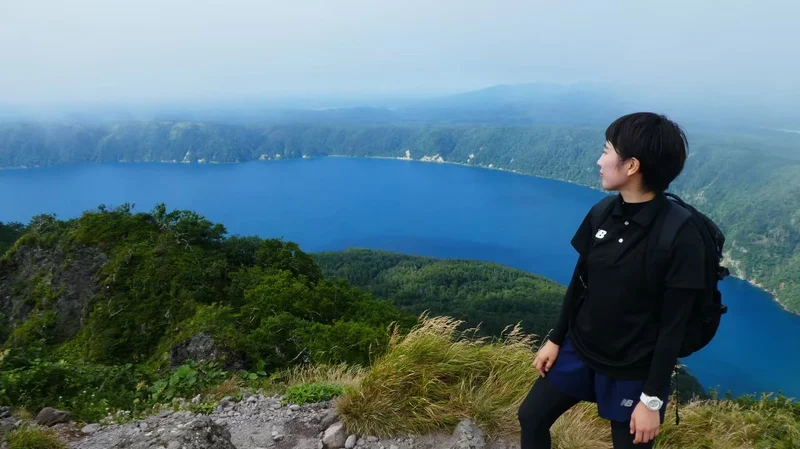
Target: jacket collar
{"type": "Point", "coordinates": [647, 214]}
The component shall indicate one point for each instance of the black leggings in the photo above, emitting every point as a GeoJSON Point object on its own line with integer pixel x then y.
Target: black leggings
{"type": "Point", "coordinates": [542, 407]}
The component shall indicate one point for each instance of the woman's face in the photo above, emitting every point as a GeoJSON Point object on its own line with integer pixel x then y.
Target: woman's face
{"type": "Point", "coordinates": [613, 172]}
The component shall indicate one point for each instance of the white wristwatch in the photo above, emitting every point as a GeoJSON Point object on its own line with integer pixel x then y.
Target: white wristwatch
{"type": "Point", "coordinates": [651, 402]}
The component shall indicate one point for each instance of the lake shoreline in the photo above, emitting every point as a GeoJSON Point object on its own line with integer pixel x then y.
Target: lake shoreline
{"type": "Point", "coordinates": [772, 294]}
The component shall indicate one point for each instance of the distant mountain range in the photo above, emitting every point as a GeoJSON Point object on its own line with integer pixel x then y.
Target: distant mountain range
{"type": "Point", "coordinates": [519, 104]}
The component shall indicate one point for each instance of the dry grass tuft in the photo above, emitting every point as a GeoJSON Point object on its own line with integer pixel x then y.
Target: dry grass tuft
{"type": "Point", "coordinates": [435, 376]}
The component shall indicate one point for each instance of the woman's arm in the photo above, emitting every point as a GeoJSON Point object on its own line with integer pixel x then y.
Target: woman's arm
{"type": "Point", "coordinates": [683, 282]}
{"type": "Point", "coordinates": [678, 306]}
{"type": "Point", "coordinates": [581, 242]}
{"type": "Point", "coordinates": [559, 333]}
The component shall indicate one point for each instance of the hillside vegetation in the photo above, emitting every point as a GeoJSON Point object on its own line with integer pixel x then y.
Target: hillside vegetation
{"type": "Point", "coordinates": [116, 314]}
{"type": "Point", "coordinates": [482, 294]}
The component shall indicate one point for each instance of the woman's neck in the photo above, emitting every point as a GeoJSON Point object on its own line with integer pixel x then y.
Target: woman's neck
{"type": "Point", "coordinates": [636, 196]}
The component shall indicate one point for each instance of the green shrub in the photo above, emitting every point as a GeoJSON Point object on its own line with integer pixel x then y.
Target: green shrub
{"type": "Point", "coordinates": [316, 392]}
{"type": "Point", "coordinates": [186, 381]}
{"type": "Point", "coordinates": [36, 330]}
{"type": "Point", "coordinates": [87, 390]}
{"type": "Point", "coordinates": [30, 437]}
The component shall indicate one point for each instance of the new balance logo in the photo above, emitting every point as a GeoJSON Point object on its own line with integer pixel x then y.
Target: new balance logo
{"type": "Point", "coordinates": [600, 234]}
{"type": "Point", "coordinates": [627, 403]}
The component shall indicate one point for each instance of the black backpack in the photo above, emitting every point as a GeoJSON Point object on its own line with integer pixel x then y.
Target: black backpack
{"type": "Point", "coordinates": [708, 308]}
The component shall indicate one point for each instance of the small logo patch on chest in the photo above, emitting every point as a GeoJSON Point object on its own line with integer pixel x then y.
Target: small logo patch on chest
{"type": "Point", "coordinates": [627, 403]}
{"type": "Point", "coordinates": [600, 234]}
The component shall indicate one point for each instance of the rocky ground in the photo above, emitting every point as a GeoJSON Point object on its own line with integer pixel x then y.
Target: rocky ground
{"type": "Point", "coordinates": [259, 422]}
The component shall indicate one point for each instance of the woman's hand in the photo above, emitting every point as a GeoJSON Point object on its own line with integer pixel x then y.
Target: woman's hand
{"type": "Point", "coordinates": [545, 358]}
{"type": "Point", "coordinates": [645, 424]}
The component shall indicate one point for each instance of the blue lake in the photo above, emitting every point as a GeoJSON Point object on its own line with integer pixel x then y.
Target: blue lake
{"type": "Point", "coordinates": [437, 210]}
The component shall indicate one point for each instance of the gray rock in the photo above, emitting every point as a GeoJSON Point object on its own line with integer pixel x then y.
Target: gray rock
{"type": "Point", "coordinates": [7, 425]}
{"type": "Point", "coordinates": [5, 412]}
{"type": "Point", "coordinates": [73, 276]}
{"type": "Point", "coordinates": [351, 442]}
{"type": "Point", "coordinates": [468, 436]}
{"type": "Point", "coordinates": [294, 407]}
{"type": "Point", "coordinates": [49, 416]}
{"type": "Point", "coordinates": [197, 424]}
{"type": "Point", "coordinates": [91, 428]}
{"type": "Point", "coordinates": [201, 348]}
{"type": "Point", "coordinates": [226, 402]}
{"type": "Point", "coordinates": [258, 427]}
{"type": "Point", "coordinates": [328, 419]}
{"type": "Point", "coordinates": [334, 437]}
{"type": "Point", "coordinates": [176, 431]}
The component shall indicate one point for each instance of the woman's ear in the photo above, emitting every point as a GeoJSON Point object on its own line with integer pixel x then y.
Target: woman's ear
{"type": "Point", "coordinates": [633, 166]}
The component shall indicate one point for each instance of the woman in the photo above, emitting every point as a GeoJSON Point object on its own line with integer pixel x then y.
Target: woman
{"type": "Point", "coordinates": [616, 342]}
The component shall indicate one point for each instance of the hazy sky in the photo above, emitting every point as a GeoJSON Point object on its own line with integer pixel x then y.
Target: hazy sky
{"type": "Point", "coordinates": [144, 50]}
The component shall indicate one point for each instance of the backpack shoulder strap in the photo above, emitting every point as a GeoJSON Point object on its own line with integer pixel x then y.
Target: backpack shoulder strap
{"type": "Point", "coordinates": [674, 219]}
{"type": "Point", "coordinates": [671, 218]}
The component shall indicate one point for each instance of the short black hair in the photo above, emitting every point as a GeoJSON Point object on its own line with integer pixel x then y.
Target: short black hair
{"type": "Point", "coordinates": [657, 142]}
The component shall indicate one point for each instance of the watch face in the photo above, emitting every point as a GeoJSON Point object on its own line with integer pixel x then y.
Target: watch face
{"type": "Point", "coordinates": [653, 404]}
